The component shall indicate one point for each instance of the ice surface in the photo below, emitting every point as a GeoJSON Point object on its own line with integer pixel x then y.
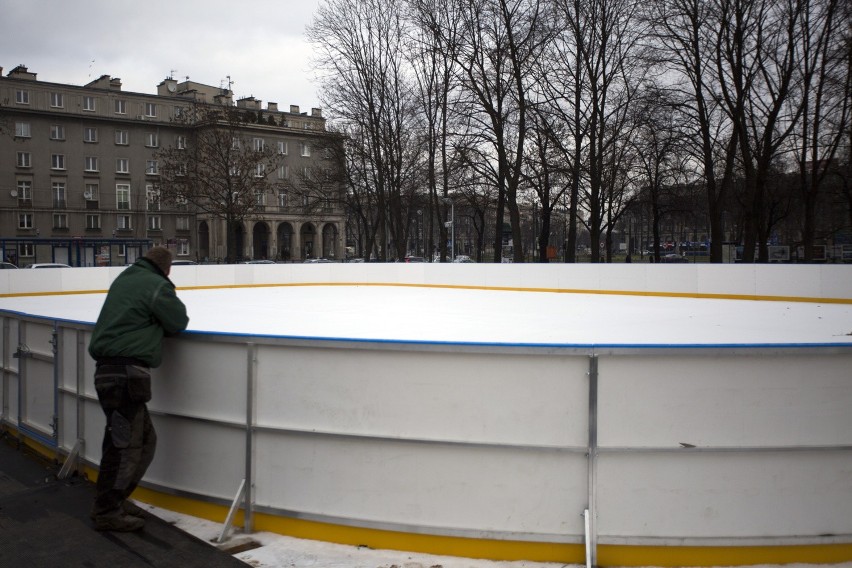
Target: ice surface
{"type": "Point", "coordinates": [400, 313]}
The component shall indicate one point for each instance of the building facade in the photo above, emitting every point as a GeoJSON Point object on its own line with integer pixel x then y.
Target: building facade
{"type": "Point", "coordinates": [79, 171]}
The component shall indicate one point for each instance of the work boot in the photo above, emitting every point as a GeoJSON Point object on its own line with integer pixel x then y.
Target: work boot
{"type": "Point", "coordinates": [118, 521]}
{"type": "Point", "coordinates": [132, 509]}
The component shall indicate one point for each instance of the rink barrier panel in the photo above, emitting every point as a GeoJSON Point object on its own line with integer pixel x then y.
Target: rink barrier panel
{"type": "Point", "coordinates": [573, 423]}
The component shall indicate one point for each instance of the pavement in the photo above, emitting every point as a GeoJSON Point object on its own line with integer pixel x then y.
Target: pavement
{"type": "Point", "coordinates": [44, 523]}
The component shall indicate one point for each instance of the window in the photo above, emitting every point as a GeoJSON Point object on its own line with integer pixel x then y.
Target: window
{"type": "Point", "coordinates": [151, 109]}
{"type": "Point", "coordinates": [152, 140]}
{"type": "Point", "coordinates": [182, 247]}
{"type": "Point", "coordinates": [25, 190]}
{"type": "Point", "coordinates": [182, 223]}
{"type": "Point", "coordinates": [25, 220]}
{"type": "Point", "coordinates": [258, 144]}
{"type": "Point", "coordinates": [120, 106]}
{"type": "Point", "coordinates": [93, 221]}
{"type": "Point", "coordinates": [91, 192]}
{"type": "Point", "coordinates": [282, 147]}
{"type": "Point", "coordinates": [122, 250]}
{"type": "Point", "coordinates": [90, 134]}
{"type": "Point", "coordinates": [122, 222]}
{"type": "Point", "coordinates": [234, 171]}
{"type": "Point", "coordinates": [181, 169]}
{"type": "Point", "coordinates": [89, 103]}
{"type": "Point", "coordinates": [25, 249]}
{"type": "Point", "coordinates": [60, 220]}
{"type": "Point", "coordinates": [57, 132]}
{"type": "Point", "coordinates": [181, 202]}
{"type": "Point", "coordinates": [260, 198]}
{"type": "Point", "coordinates": [282, 199]}
{"type": "Point", "coordinates": [305, 149]}
{"type": "Point", "coordinates": [91, 164]}
{"type": "Point", "coordinates": [57, 100]}
{"type": "Point", "coordinates": [260, 170]}
{"type": "Point", "coordinates": [284, 172]}
{"type": "Point", "coordinates": [22, 97]}
{"type": "Point", "coordinates": [122, 196]}
{"type": "Point", "coordinates": [152, 168]}
{"type": "Point", "coordinates": [23, 160]}
{"type": "Point", "coordinates": [179, 112]}
{"type": "Point", "coordinates": [122, 138]}
{"type": "Point", "coordinates": [235, 143]}
{"type": "Point", "coordinates": [180, 142]}
{"type": "Point", "coordinates": [58, 191]}
{"type": "Point", "coordinates": [306, 173]}
{"type": "Point", "coordinates": [155, 223]}
{"type": "Point", "coordinates": [152, 198]}
{"type": "Point", "coordinates": [57, 161]}
{"type": "Point", "coordinates": [22, 129]}
{"type": "Point", "coordinates": [122, 166]}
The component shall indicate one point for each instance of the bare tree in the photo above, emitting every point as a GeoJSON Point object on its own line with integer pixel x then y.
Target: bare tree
{"type": "Point", "coordinates": [361, 50]}
{"type": "Point", "coordinates": [757, 72]}
{"type": "Point", "coordinates": [217, 167]}
{"type": "Point", "coordinates": [825, 106]}
{"type": "Point", "coordinates": [607, 71]}
{"type": "Point", "coordinates": [501, 40]}
{"type": "Point", "coordinates": [433, 56]}
{"type": "Point", "coordinates": [683, 43]}
{"type": "Point", "coordinates": [660, 144]}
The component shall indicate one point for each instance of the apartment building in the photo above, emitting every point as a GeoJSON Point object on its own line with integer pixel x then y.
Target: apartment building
{"type": "Point", "coordinates": [79, 171]}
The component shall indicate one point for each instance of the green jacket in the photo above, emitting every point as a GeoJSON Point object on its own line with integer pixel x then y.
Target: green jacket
{"type": "Point", "coordinates": [140, 309]}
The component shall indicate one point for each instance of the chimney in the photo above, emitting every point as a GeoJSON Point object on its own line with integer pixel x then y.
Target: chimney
{"type": "Point", "coordinates": [272, 107]}
{"type": "Point", "coordinates": [317, 112]}
{"type": "Point", "coordinates": [294, 109]}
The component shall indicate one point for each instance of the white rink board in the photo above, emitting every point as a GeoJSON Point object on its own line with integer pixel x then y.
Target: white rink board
{"type": "Point", "coordinates": [455, 399]}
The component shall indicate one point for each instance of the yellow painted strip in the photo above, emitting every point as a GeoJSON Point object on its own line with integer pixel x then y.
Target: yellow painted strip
{"type": "Point", "coordinates": [654, 294]}
{"type": "Point", "coordinates": [611, 555]}
{"type": "Point", "coordinates": [608, 555]}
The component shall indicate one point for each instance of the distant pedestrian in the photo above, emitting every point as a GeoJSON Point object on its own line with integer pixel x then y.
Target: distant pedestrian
{"type": "Point", "coordinates": [628, 258]}
{"type": "Point", "coordinates": [140, 309]}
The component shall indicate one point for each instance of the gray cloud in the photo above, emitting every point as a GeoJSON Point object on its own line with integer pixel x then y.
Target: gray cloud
{"type": "Point", "coordinates": [260, 45]}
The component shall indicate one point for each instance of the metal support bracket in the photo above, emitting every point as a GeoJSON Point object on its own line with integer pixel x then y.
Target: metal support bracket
{"type": "Point", "coordinates": [71, 460]}
{"type": "Point", "coordinates": [229, 521]}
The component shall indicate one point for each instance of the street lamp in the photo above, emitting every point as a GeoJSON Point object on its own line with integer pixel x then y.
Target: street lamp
{"type": "Point", "coordinates": [451, 224]}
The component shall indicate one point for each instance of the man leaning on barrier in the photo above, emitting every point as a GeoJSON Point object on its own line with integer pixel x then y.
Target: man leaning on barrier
{"type": "Point", "coordinates": [140, 309]}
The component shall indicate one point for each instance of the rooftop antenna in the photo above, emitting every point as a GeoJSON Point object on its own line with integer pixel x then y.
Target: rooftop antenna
{"type": "Point", "coordinates": [172, 73]}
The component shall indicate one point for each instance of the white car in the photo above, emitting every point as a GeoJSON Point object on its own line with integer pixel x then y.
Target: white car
{"type": "Point", "coordinates": [49, 265]}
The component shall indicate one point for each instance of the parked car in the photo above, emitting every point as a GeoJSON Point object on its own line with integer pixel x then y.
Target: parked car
{"type": "Point", "coordinates": [49, 265]}
{"type": "Point", "coordinates": [317, 260]}
{"type": "Point", "coordinates": [414, 259]}
{"type": "Point", "coordinates": [258, 262]}
{"type": "Point", "coordinates": [673, 258]}
{"type": "Point", "coordinates": [7, 265]}
{"type": "Point", "coordinates": [183, 262]}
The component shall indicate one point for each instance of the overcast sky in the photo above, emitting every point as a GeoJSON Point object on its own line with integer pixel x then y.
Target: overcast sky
{"type": "Point", "coordinates": [259, 43]}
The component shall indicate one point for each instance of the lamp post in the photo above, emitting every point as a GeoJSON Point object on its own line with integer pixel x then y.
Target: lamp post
{"type": "Point", "coordinates": [451, 224]}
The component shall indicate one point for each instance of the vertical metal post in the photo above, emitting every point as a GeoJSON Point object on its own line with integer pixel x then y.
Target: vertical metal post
{"type": "Point", "coordinates": [592, 551]}
{"type": "Point", "coordinates": [251, 373]}
{"type": "Point", "coordinates": [20, 353]}
{"type": "Point", "coordinates": [56, 345]}
{"type": "Point", "coordinates": [7, 343]}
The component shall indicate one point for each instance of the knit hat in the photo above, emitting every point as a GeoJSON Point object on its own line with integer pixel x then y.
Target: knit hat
{"type": "Point", "coordinates": [161, 257]}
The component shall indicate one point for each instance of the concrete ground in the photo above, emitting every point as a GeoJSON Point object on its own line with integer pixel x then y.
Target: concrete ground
{"type": "Point", "coordinates": [44, 523]}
